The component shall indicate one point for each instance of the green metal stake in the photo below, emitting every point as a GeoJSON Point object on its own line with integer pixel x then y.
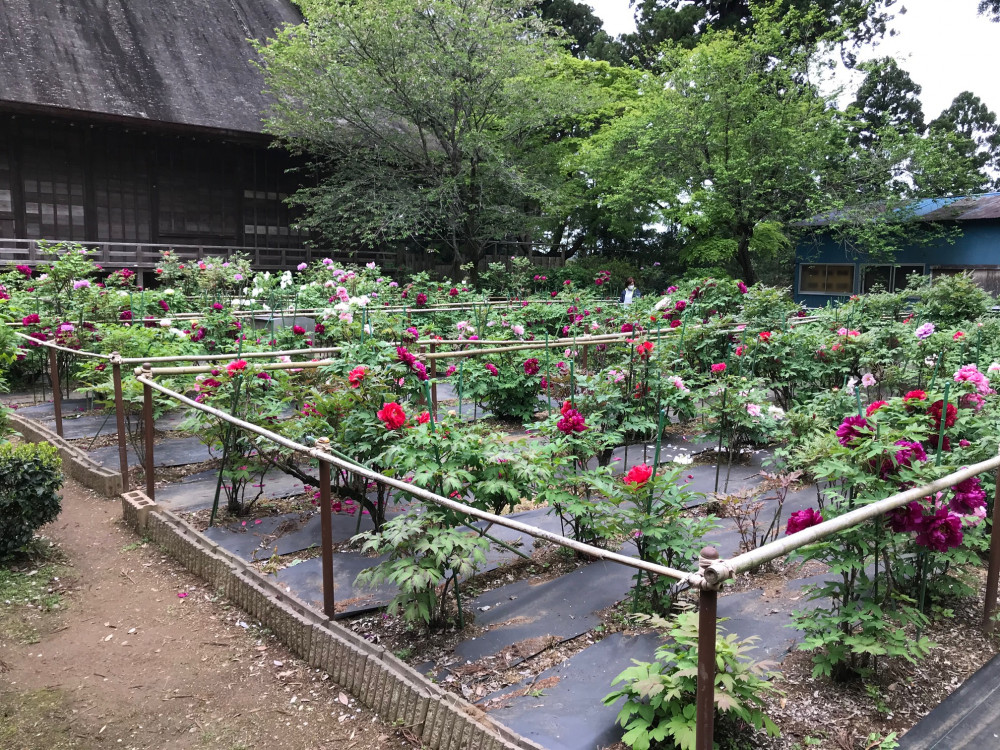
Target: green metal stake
{"type": "Point", "coordinates": [461, 371]}
{"type": "Point", "coordinates": [548, 381]}
{"type": "Point", "coordinates": [572, 384]}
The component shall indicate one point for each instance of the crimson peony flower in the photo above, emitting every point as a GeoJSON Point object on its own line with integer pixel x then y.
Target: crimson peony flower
{"type": "Point", "coordinates": [765, 335]}
{"type": "Point", "coordinates": [914, 396]}
{"type": "Point", "coordinates": [644, 349]}
{"type": "Point", "coordinates": [719, 367]}
{"type": "Point", "coordinates": [492, 369]}
{"type": "Point", "coordinates": [421, 299]}
{"type": "Point", "coordinates": [940, 532]}
{"type": "Point", "coordinates": [908, 518]}
{"type": "Point", "coordinates": [424, 417]}
{"type": "Point", "coordinates": [298, 330]}
{"type": "Point", "coordinates": [32, 319]}
{"type": "Point", "coordinates": [392, 415]}
{"type": "Point", "coordinates": [531, 366]}
{"type": "Point", "coordinates": [851, 428]}
{"type": "Point", "coordinates": [803, 519]}
{"type": "Point", "coordinates": [163, 305]}
{"type": "Point", "coordinates": [639, 475]}
{"type": "Point", "coordinates": [356, 376]}
{"type": "Point", "coordinates": [934, 410]}
{"type": "Point", "coordinates": [571, 421]}
{"type": "Point", "coordinates": [742, 287]}
{"type": "Point", "coordinates": [453, 292]}
{"type": "Point", "coordinates": [234, 367]}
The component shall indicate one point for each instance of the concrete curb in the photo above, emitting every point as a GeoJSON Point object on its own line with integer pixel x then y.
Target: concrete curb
{"type": "Point", "coordinates": [385, 684]}
{"type": "Point", "coordinates": [76, 462]}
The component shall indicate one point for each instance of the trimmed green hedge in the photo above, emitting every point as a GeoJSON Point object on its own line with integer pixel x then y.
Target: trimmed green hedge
{"type": "Point", "coordinates": [30, 480]}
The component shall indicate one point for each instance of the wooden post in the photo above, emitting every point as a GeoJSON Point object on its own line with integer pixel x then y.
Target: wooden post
{"type": "Point", "coordinates": [56, 394]}
{"type": "Point", "coordinates": [708, 601]}
{"type": "Point", "coordinates": [326, 524]}
{"type": "Point", "coordinates": [993, 573]}
{"type": "Point", "coordinates": [116, 376]}
{"type": "Point", "coordinates": [147, 424]}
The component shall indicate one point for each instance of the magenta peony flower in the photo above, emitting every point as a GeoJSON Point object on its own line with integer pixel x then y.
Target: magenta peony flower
{"type": "Point", "coordinates": [531, 366]}
{"type": "Point", "coordinates": [909, 517]}
{"type": "Point", "coordinates": [851, 428]}
{"type": "Point", "coordinates": [803, 519]}
{"type": "Point", "coordinates": [969, 497]}
{"type": "Point", "coordinates": [492, 369]}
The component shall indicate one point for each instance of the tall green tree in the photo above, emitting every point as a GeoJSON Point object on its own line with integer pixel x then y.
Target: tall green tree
{"type": "Point", "coordinates": [588, 39]}
{"type": "Point", "coordinates": [854, 23]}
{"type": "Point", "coordinates": [886, 98]}
{"type": "Point", "coordinates": [417, 117]}
{"type": "Point", "coordinates": [726, 145]}
{"type": "Point", "coordinates": [975, 133]}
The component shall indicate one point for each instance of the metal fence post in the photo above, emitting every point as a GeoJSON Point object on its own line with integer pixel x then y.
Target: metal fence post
{"type": "Point", "coordinates": [56, 394]}
{"type": "Point", "coordinates": [326, 523]}
{"type": "Point", "coordinates": [147, 424]}
{"type": "Point", "coordinates": [708, 601]}
{"type": "Point", "coordinates": [116, 376]}
{"type": "Point", "coordinates": [993, 573]}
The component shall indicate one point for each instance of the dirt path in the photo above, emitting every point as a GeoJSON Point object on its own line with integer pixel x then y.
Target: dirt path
{"type": "Point", "coordinates": [139, 654]}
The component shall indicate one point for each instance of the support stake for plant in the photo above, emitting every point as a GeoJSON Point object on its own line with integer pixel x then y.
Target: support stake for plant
{"type": "Point", "coordinates": [116, 376]}
{"type": "Point", "coordinates": [708, 600]}
{"type": "Point", "coordinates": [56, 393]}
{"type": "Point", "coordinates": [993, 573]}
{"type": "Point", "coordinates": [326, 524]}
{"type": "Point", "coordinates": [147, 425]}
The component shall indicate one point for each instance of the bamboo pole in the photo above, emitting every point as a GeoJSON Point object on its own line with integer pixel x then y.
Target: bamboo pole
{"type": "Point", "coordinates": [423, 494]}
{"type": "Point", "coordinates": [723, 570]}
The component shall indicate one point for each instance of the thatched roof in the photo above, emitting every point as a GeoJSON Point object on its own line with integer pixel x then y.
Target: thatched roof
{"type": "Point", "coordinates": [182, 62]}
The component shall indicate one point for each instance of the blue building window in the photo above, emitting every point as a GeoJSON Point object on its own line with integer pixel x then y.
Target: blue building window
{"type": "Point", "coordinates": [888, 278]}
{"type": "Point", "coordinates": [826, 278]}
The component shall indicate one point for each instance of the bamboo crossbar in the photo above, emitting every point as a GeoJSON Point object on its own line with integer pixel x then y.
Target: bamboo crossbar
{"type": "Point", "coordinates": [51, 345]}
{"type": "Point", "coordinates": [723, 570]}
{"type": "Point", "coordinates": [427, 495]}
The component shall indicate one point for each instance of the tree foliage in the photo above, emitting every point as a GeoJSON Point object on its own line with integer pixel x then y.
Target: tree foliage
{"type": "Point", "coordinates": [851, 22]}
{"type": "Point", "coordinates": [416, 116]}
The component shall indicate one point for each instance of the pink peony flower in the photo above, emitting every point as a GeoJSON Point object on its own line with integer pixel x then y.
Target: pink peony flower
{"type": "Point", "coordinates": [803, 519]}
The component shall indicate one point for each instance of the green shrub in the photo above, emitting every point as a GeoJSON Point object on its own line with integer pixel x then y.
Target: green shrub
{"type": "Point", "coordinates": [30, 479]}
{"type": "Point", "coordinates": [659, 708]}
{"type": "Point", "coordinates": [947, 301]}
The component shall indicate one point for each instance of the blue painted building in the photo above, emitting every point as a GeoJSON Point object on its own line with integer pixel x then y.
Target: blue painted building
{"type": "Point", "coordinates": [824, 272]}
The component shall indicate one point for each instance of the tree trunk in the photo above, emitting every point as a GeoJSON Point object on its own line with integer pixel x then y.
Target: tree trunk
{"type": "Point", "coordinates": [745, 261]}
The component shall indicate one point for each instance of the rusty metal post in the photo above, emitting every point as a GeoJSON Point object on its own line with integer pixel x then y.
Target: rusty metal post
{"type": "Point", "coordinates": [434, 385]}
{"type": "Point", "coordinates": [147, 426]}
{"type": "Point", "coordinates": [116, 376]}
{"type": "Point", "coordinates": [708, 601]}
{"type": "Point", "coordinates": [56, 394]}
{"type": "Point", "coordinates": [326, 524]}
{"type": "Point", "coordinates": [993, 573]}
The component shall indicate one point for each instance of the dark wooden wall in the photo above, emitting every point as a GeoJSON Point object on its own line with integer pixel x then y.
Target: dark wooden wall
{"type": "Point", "coordinates": [72, 180]}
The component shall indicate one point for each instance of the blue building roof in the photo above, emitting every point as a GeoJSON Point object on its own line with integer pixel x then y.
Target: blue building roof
{"type": "Point", "coordinates": [959, 208]}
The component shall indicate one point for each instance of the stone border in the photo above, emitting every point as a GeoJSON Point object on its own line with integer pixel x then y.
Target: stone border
{"type": "Point", "coordinates": [387, 685]}
{"type": "Point", "coordinates": [76, 462]}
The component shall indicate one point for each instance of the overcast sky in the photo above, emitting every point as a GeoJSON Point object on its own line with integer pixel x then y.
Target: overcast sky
{"type": "Point", "coordinates": [944, 45]}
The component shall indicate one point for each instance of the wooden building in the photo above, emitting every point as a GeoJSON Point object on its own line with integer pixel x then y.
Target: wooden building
{"type": "Point", "coordinates": [135, 125]}
{"type": "Point", "coordinates": [825, 273]}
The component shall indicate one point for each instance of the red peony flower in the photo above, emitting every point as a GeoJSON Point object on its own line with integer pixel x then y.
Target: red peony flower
{"type": "Point", "coordinates": [355, 376]}
{"type": "Point", "coordinates": [298, 330]}
{"type": "Point", "coordinates": [719, 367]}
{"type": "Point", "coordinates": [234, 367]}
{"type": "Point", "coordinates": [531, 366]}
{"type": "Point", "coordinates": [874, 406]}
{"type": "Point", "coordinates": [765, 335]}
{"type": "Point", "coordinates": [639, 475]}
{"type": "Point", "coordinates": [424, 417]}
{"type": "Point", "coordinates": [392, 415]}
{"type": "Point", "coordinates": [914, 396]}
{"type": "Point", "coordinates": [644, 349]}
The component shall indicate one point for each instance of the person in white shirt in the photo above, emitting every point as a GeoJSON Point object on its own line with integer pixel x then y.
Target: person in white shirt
{"type": "Point", "coordinates": [629, 293]}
